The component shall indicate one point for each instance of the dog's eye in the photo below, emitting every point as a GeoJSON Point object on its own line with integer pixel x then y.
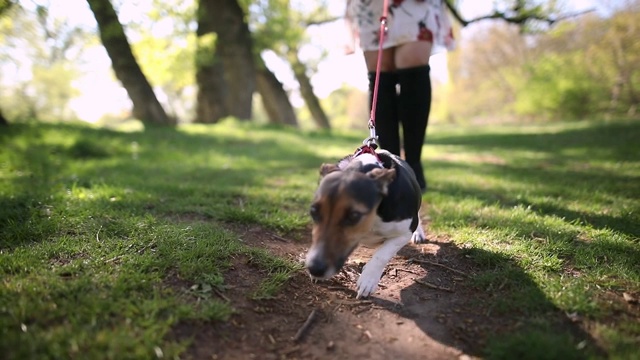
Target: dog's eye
{"type": "Point", "coordinates": [352, 217]}
{"type": "Point", "coordinates": [314, 211]}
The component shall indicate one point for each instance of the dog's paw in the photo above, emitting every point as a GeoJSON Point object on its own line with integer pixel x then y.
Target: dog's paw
{"type": "Point", "coordinates": [366, 287]}
{"type": "Point", "coordinates": [419, 236]}
{"type": "Point", "coordinates": [367, 282]}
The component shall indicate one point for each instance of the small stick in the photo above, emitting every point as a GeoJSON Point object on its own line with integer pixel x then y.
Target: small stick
{"type": "Point", "coordinates": [305, 326]}
{"type": "Point", "coordinates": [354, 302]}
{"type": "Point", "coordinates": [338, 288]}
{"type": "Point", "coordinates": [430, 285]}
{"type": "Point", "coordinates": [145, 247]}
{"type": "Point", "coordinates": [113, 259]}
{"type": "Point", "coordinates": [408, 271]}
{"type": "Point", "coordinates": [280, 238]}
{"type": "Point", "coordinates": [438, 264]}
{"type": "Point", "coordinates": [98, 235]}
{"type": "Point", "coordinates": [223, 296]}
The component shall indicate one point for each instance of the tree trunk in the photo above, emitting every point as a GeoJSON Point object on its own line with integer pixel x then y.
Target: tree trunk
{"type": "Point", "coordinates": [306, 90]}
{"type": "Point", "coordinates": [211, 102]}
{"type": "Point", "coordinates": [210, 106]}
{"type": "Point", "coordinates": [274, 98]}
{"type": "Point", "coordinates": [146, 106]}
{"type": "Point", "coordinates": [234, 51]}
{"type": "Point", "coordinates": [3, 120]}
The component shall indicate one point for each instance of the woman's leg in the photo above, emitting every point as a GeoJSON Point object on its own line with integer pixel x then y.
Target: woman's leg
{"type": "Point", "coordinates": [387, 125]}
{"type": "Point", "coordinates": [414, 101]}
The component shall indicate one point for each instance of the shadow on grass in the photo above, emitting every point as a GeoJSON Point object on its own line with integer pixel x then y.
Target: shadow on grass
{"type": "Point", "coordinates": [498, 312]}
{"type": "Point", "coordinates": [49, 169]}
{"type": "Point", "coordinates": [617, 142]}
{"type": "Point", "coordinates": [571, 171]}
{"type": "Point", "coordinates": [26, 170]}
{"type": "Point", "coordinates": [554, 185]}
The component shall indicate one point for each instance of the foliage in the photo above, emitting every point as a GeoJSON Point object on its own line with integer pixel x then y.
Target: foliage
{"type": "Point", "coordinates": [40, 56]}
{"type": "Point", "coordinates": [583, 67]}
{"type": "Point", "coordinates": [276, 25]}
{"type": "Point", "coordinates": [163, 59]}
{"type": "Point", "coordinates": [166, 51]}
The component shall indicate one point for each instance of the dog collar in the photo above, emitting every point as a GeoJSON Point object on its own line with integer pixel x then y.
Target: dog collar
{"type": "Point", "coordinates": [367, 149]}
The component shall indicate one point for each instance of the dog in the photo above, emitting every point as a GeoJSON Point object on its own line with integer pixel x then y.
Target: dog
{"type": "Point", "coordinates": [369, 199]}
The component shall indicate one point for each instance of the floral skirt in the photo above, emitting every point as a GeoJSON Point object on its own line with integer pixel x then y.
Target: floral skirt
{"type": "Point", "coordinates": [407, 21]}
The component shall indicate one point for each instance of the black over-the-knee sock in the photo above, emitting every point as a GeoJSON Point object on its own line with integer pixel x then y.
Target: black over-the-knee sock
{"type": "Point", "coordinates": [414, 104]}
{"type": "Point", "coordinates": [387, 126]}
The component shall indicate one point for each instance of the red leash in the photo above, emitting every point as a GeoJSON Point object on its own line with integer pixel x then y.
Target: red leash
{"type": "Point", "coordinates": [370, 144]}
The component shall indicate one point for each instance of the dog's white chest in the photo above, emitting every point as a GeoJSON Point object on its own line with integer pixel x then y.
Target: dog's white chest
{"type": "Point", "coordinates": [381, 231]}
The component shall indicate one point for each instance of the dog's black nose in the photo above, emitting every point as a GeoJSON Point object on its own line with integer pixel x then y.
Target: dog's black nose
{"type": "Point", "coordinates": [317, 267]}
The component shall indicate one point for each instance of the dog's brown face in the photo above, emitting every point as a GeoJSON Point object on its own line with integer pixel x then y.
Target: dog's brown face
{"type": "Point", "coordinates": [343, 210]}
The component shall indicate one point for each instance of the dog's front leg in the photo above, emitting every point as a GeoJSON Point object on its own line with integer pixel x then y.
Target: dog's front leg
{"type": "Point", "coordinates": [419, 237]}
{"type": "Point", "coordinates": [372, 271]}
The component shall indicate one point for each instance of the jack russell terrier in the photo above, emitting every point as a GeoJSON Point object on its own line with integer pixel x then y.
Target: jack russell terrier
{"type": "Point", "coordinates": [371, 199]}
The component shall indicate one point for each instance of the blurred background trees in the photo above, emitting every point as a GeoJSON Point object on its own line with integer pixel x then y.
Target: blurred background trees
{"type": "Point", "coordinates": [257, 60]}
{"type": "Point", "coordinates": [582, 67]}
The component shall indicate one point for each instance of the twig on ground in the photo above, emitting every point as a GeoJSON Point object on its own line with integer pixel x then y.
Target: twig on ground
{"type": "Point", "coordinates": [407, 271]}
{"type": "Point", "coordinates": [280, 238]}
{"type": "Point", "coordinates": [148, 246]}
{"type": "Point", "coordinates": [113, 259]}
{"type": "Point", "coordinates": [432, 286]}
{"type": "Point", "coordinates": [361, 310]}
{"type": "Point", "coordinates": [305, 326]}
{"type": "Point", "coordinates": [98, 235]}
{"type": "Point", "coordinates": [340, 288]}
{"type": "Point", "coordinates": [220, 294]}
{"type": "Point", "coordinates": [440, 265]}
{"type": "Point", "coordinates": [354, 302]}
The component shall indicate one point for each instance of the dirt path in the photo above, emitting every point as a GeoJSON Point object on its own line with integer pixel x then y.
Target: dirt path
{"type": "Point", "coordinates": [422, 310]}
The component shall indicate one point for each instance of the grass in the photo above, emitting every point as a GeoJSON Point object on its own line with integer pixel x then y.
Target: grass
{"type": "Point", "coordinates": [107, 238]}
{"type": "Point", "coordinates": [551, 215]}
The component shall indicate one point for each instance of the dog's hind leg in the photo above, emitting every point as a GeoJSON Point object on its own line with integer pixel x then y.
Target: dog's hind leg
{"type": "Point", "coordinates": [419, 236]}
{"type": "Point", "coordinates": [372, 271]}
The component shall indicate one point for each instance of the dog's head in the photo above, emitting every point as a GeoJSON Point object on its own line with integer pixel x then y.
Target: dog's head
{"type": "Point", "coordinates": [343, 210]}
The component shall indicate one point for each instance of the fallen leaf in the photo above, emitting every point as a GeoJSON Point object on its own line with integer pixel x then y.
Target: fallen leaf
{"type": "Point", "coordinates": [629, 298]}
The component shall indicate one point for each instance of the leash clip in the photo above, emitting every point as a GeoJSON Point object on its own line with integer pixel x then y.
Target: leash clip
{"type": "Point", "coordinates": [372, 140]}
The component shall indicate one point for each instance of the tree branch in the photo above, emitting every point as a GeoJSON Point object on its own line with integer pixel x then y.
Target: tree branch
{"type": "Point", "coordinates": [455, 13]}
{"type": "Point", "coordinates": [518, 19]}
{"type": "Point", "coordinates": [322, 21]}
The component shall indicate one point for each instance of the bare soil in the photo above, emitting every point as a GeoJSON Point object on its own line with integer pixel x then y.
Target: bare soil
{"type": "Point", "coordinates": [425, 308]}
{"type": "Point", "coordinates": [419, 311]}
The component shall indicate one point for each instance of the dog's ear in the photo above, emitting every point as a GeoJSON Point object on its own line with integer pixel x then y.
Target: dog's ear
{"type": "Point", "coordinates": [326, 169]}
{"type": "Point", "coordinates": [383, 177]}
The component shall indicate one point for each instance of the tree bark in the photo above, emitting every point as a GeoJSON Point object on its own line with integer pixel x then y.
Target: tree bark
{"type": "Point", "coordinates": [211, 102]}
{"type": "Point", "coordinates": [234, 51]}
{"type": "Point", "coordinates": [274, 98]}
{"type": "Point", "coordinates": [306, 90]}
{"type": "Point", "coordinates": [146, 106]}
{"type": "Point", "coordinates": [210, 106]}
{"type": "Point", "coordinates": [3, 120]}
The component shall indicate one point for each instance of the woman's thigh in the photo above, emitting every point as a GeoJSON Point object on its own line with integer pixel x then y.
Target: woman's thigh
{"type": "Point", "coordinates": [412, 54]}
{"type": "Point", "coordinates": [387, 63]}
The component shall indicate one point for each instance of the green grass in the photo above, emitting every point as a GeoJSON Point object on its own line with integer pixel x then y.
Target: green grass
{"type": "Point", "coordinates": [551, 215]}
{"type": "Point", "coordinates": [108, 239]}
